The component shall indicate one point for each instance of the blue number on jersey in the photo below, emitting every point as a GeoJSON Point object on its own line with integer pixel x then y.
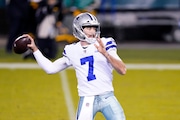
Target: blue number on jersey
{"type": "Point", "coordinates": [89, 59]}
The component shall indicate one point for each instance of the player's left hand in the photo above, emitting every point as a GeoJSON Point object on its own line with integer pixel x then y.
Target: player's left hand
{"type": "Point", "coordinates": [100, 47]}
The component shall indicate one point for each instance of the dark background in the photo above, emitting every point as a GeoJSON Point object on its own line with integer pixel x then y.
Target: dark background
{"type": "Point", "coordinates": [136, 20]}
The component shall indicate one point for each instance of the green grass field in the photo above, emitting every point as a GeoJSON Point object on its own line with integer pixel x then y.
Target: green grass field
{"type": "Point", "coordinates": [31, 94]}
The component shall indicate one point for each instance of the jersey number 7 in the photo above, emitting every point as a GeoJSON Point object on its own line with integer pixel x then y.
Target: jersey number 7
{"type": "Point", "coordinates": [90, 60]}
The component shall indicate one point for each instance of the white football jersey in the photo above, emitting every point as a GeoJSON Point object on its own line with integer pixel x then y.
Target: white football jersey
{"type": "Point", "coordinates": [93, 71]}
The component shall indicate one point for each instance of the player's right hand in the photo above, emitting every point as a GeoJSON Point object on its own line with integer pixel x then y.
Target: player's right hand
{"type": "Point", "coordinates": [32, 45]}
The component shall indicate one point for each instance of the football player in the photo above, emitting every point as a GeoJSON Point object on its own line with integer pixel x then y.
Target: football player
{"type": "Point", "coordinates": [93, 59]}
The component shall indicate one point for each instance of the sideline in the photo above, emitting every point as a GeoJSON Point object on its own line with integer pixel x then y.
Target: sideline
{"type": "Point", "coordinates": [130, 66]}
{"type": "Point", "coordinates": [67, 94]}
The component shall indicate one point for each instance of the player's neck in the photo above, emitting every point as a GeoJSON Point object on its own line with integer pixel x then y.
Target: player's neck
{"type": "Point", "coordinates": [84, 43]}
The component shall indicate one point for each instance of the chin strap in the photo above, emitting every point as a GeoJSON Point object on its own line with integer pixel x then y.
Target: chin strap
{"type": "Point", "coordinates": [92, 40]}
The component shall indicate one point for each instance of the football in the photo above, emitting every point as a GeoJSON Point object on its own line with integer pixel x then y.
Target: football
{"type": "Point", "coordinates": [20, 44]}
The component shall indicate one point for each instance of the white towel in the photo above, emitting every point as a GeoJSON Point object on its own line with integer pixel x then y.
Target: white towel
{"type": "Point", "coordinates": [87, 109]}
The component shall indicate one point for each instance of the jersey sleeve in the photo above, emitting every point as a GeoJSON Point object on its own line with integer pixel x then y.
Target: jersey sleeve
{"type": "Point", "coordinates": [111, 47]}
{"type": "Point", "coordinates": [48, 66]}
{"type": "Point", "coordinates": [110, 44]}
{"type": "Point", "coordinates": [66, 53]}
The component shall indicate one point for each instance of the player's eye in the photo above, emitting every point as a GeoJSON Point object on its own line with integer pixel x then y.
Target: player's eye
{"type": "Point", "coordinates": [90, 27]}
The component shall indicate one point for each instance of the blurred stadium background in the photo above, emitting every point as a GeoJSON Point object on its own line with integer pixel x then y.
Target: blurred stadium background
{"type": "Point", "coordinates": [147, 33]}
{"type": "Point", "coordinates": [130, 20]}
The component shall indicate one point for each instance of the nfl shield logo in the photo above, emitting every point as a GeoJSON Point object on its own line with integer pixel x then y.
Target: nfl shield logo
{"type": "Point", "coordinates": [87, 104]}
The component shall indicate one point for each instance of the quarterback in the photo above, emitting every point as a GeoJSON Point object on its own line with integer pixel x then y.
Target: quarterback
{"type": "Point", "coordinates": [93, 59]}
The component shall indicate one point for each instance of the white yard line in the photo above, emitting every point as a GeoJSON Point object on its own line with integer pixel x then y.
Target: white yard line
{"type": "Point", "coordinates": [153, 66]}
{"type": "Point", "coordinates": [19, 66]}
{"type": "Point", "coordinates": [129, 66]}
{"type": "Point", "coordinates": [67, 94]}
